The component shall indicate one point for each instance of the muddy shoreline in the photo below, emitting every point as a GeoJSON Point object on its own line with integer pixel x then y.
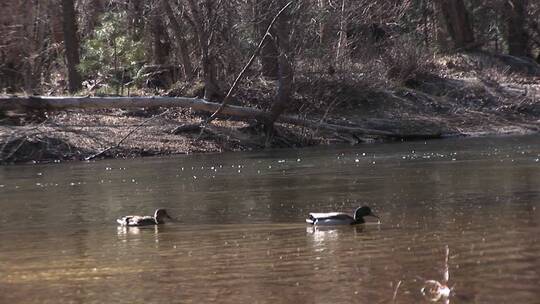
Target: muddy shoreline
{"type": "Point", "coordinates": [80, 135]}
{"type": "Point", "coordinates": [466, 97]}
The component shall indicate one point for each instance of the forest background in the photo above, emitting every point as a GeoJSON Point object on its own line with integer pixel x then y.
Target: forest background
{"type": "Point", "coordinates": [348, 71]}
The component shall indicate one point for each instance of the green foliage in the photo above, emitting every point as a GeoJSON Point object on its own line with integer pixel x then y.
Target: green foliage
{"type": "Point", "coordinates": [110, 52]}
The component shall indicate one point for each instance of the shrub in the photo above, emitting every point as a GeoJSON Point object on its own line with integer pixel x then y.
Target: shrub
{"type": "Point", "coordinates": [110, 52]}
{"type": "Point", "coordinates": [406, 62]}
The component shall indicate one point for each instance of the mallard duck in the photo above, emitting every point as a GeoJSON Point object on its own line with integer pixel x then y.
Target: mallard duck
{"type": "Point", "coordinates": [337, 218]}
{"type": "Point", "coordinates": [138, 220]}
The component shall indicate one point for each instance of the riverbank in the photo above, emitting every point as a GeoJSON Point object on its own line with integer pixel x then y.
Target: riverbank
{"type": "Point", "coordinates": [464, 95]}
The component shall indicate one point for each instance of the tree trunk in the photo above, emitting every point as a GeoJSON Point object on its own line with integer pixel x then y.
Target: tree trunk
{"type": "Point", "coordinates": [456, 18]}
{"type": "Point", "coordinates": [56, 22]}
{"type": "Point", "coordinates": [327, 28]}
{"type": "Point", "coordinates": [30, 49]}
{"type": "Point", "coordinates": [40, 62]}
{"type": "Point", "coordinates": [202, 30]}
{"type": "Point", "coordinates": [439, 28]}
{"type": "Point", "coordinates": [71, 43]}
{"type": "Point", "coordinates": [93, 10]}
{"type": "Point", "coordinates": [160, 40]}
{"type": "Point", "coordinates": [516, 34]}
{"type": "Point", "coordinates": [342, 38]}
{"type": "Point", "coordinates": [265, 12]}
{"type": "Point", "coordinates": [285, 72]}
{"type": "Point", "coordinates": [136, 19]}
{"type": "Point", "coordinates": [180, 40]}
{"type": "Point", "coordinates": [63, 103]}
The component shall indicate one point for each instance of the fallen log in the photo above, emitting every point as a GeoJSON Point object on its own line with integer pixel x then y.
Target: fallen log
{"type": "Point", "coordinates": [63, 103]}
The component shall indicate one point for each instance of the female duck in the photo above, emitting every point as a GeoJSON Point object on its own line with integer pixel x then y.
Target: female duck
{"type": "Point", "coordinates": [137, 220]}
{"type": "Point", "coordinates": [337, 218]}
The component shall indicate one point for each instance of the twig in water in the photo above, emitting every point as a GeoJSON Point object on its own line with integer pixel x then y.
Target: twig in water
{"type": "Point", "coordinates": [395, 292]}
{"type": "Point", "coordinates": [446, 272]}
{"type": "Point", "coordinates": [126, 136]}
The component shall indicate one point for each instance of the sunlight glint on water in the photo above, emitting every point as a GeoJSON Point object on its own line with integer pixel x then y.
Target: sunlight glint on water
{"type": "Point", "coordinates": [241, 236]}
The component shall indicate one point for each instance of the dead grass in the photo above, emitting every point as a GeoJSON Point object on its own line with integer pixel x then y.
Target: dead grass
{"type": "Point", "coordinates": [466, 94]}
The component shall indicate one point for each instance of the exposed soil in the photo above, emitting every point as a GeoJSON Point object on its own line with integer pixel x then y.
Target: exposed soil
{"type": "Point", "coordinates": [470, 95]}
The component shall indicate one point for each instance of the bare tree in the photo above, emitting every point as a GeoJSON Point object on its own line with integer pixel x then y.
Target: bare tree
{"type": "Point", "coordinates": [455, 17]}
{"type": "Point", "coordinates": [71, 43]}
{"type": "Point", "coordinates": [202, 17]}
{"type": "Point", "coordinates": [92, 11]}
{"type": "Point", "coordinates": [342, 40]}
{"type": "Point", "coordinates": [516, 35]}
{"type": "Point", "coordinates": [264, 13]}
{"type": "Point", "coordinates": [285, 62]}
{"type": "Point", "coordinates": [160, 39]}
{"type": "Point", "coordinates": [327, 23]}
{"type": "Point", "coordinates": [33, 46]}
{"type": "Point", "coordinates": [178, 29]}
{"type": "Point", "coordinates": [282, 34]}
{"type": "Point", "coordinates": [135, 18]}
{"type": "Point", "coordinates": [220, 34]}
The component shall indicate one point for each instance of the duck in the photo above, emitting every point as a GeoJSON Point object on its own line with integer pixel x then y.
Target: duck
{"type": "Point", "coordinates": [338, 218]}
{"type": "Point", "coordinates": [147, 220]}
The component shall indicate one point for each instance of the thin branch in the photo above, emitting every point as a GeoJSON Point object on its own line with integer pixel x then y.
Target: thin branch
{"type": "Point", "coordinates": [324, 116]}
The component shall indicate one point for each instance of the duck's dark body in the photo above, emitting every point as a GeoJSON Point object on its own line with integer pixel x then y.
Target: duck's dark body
{"type": "Point", "coordinates": [338, 218]}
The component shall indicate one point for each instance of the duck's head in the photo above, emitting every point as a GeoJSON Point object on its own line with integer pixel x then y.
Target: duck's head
{"type": "Point", "coordinates": [161, 214]}
{"type": "Point", "coordinates": [364, 211]}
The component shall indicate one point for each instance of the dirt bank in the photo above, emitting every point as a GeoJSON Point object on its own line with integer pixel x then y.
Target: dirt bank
{"type": "Point", "coordinates": [469, 95]}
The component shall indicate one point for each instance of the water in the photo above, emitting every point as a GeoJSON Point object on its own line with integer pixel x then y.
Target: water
{"type": "Point", "coordinates": [241, 236]}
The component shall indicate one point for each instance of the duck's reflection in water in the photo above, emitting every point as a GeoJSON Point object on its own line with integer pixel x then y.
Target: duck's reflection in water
{"type": "Point", "coordinates": [327, 237]}
{"type": "Point", "coordinates": [331, 232]}
{"type": "Point", "coordinates": [124, 231]}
